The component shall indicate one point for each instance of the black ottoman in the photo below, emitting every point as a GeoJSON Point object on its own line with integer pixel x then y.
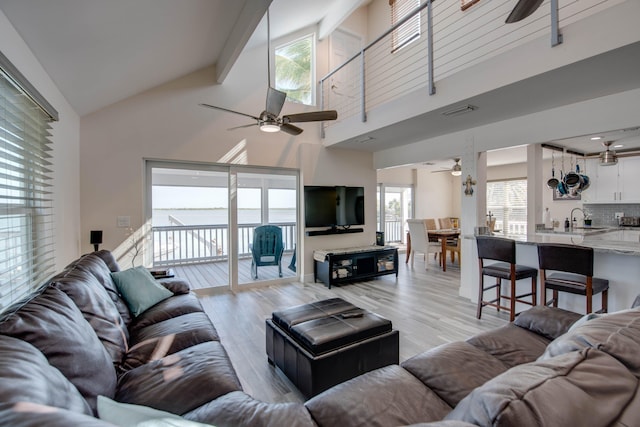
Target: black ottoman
{"type": "Point", "coordinates": [324, 343]}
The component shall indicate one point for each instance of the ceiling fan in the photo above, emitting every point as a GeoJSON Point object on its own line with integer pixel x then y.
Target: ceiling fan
{"type": "Point", "coordinates": [523, 9]}
{"type": "Point", "coordinates": [456, 170]}
{"type": "Point", "coordinates": [269, 120]}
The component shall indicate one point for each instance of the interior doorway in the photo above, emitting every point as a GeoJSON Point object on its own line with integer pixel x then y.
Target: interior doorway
{"type": "Point", "coordinates": [395, 206]}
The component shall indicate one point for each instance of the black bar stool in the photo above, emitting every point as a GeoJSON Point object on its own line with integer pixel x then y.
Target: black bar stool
{"type": "Point", "coordinates": [573, 273]}
{"type": "Point", "coordinates": [504, 251]}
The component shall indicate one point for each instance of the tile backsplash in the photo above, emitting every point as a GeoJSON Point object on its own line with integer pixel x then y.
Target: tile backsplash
{"type": "Point", "coordinates": [604, 214]}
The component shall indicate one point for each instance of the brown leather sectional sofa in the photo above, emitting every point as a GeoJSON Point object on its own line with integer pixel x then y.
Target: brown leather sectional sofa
{"type": "Point", "coordinates": [75, 339]}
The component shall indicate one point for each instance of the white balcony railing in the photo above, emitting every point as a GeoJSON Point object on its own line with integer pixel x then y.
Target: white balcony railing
{"type": "Point", "coordinates": [190, 244]}
{"type": "Point", "coordinates": [450, 41]}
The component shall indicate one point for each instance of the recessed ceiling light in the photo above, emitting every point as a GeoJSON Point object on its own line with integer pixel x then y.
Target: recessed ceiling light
{"type": "Point", "coordinates": [618, 146]}
{"type": "Point", "coordinates": [596, 138]}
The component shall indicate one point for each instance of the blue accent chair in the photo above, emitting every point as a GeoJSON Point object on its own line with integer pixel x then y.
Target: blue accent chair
{"type": "Point", "coordinates": [266, 249]}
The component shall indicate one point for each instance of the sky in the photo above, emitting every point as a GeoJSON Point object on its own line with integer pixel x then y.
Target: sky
{"type": "Point", "coordinates": [175, 197]}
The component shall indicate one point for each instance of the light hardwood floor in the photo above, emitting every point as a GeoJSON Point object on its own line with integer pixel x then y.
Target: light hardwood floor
{"type": "Point", "coordinates": [422, 304]}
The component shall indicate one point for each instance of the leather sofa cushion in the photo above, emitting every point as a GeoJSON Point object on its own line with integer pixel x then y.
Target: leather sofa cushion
{"type": "Point", "coordinates": [52, 323]}
{"type": "Point", "coordinates": [167, 337]}
{"type": "Point", "coordinates": [388, 396]}
{"type": "Point", "coordinates": [197, 324]}
{"type": "Point", "coordinates": [617, 334]}
{"type": "Point", "coordinates": [510, 344]}
{"type": "Point", "coordinates": [27, 376]}
{"type": "Point", "coordinates": [550, 322]}
{"type": "Point", "coordinates": [103, 275]}
{"type": "Point", "coordinates": [169, 308]}
{"type": "Point", "coordinates": [182, 381]}
{"type": "Point", "coordinates": [29, 414]}
{"type": "Point", "coordinates": [454, 370]}
{"type": "Point", "coordinates": [329, 333]}
{"type": "Point", "coordinates": [630, 416]}
{"type": "Point", "coordinates": [594, 384]}
{"type": "Point", "coordinates": [239, 409]}
{"type": "Point", "coordinates": [97, 308]}
{"type": "Point", "coordinates": [315, 310]}
{"type": "Point", "coordinates": [176, 285]}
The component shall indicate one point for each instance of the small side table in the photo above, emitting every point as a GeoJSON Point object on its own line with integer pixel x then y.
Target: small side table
{"type": "Point", "coordinates": [162, 274]}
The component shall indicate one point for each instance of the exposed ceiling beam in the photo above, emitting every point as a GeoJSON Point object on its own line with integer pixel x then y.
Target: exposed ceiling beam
{"type": "Point", "coordinates": [339, 11]}
{"type": "Point", "coordinates": [250, 17]}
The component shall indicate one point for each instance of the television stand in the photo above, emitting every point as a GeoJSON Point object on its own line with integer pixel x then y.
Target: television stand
{"type": "Point", "coordinates": [337, 266]}
{"type": "Point", "coordinates": [334, 231]}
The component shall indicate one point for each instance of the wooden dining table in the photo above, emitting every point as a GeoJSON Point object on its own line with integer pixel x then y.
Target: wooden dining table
{"type": "Point", "coordinates": [443, 235]}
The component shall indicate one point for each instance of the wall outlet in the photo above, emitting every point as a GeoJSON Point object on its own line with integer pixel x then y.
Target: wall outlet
{"type": "Point", "coordinates": [123, 221]}
{"type": "Point", "coordinates": [618, 215]}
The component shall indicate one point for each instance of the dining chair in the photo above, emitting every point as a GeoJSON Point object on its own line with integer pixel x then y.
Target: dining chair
{"type": "Point", "coordinates": [571, 269]}
{"type": "Point", "coordinates": [453, 246]}
{"type": "Point", "coordinates": [503, 251]}
{"type": "Point", "coordinates": [419, 234]}
{"type": "Point", "coordinates": [445, 223]}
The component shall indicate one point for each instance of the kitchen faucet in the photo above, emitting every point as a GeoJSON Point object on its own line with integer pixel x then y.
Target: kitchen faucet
{"type": "Point", "coordinates": [571, 215]}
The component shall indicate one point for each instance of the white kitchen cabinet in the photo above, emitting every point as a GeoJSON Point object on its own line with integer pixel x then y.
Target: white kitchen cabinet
{"type": "Point", "coordinates": [629, 180]}
{"type": "Point", "coordinates": [613, 184]}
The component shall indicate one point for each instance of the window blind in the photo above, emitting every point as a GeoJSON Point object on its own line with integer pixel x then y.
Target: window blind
{"type": "Point", "coordinates": [408, 31]}
{"type": "Point", "coordinates": [26, 213]}
{"type": "Point", "coordinates": [507, 202]}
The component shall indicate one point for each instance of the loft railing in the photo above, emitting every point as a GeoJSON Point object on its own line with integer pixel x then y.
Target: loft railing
{"type": "Point", "coordinates": [450, 41]}
{"type": "Point", "coordinates": [190, 244]}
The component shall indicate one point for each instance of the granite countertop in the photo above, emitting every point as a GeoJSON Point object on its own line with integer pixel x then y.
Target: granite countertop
{"type": "Point", "coordinates": [601, 239]}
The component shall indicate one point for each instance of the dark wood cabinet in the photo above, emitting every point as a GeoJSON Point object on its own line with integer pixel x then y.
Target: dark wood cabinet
{"type": "Point", "coordinates": [345, 267]}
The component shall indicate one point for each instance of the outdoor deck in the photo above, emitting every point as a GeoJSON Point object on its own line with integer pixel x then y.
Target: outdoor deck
{"type": "Point", "coordinates": [216, 273]}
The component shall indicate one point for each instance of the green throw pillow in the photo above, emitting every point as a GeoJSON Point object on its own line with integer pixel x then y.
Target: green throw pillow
{"type": "Point", "coordinates": [139, 289]}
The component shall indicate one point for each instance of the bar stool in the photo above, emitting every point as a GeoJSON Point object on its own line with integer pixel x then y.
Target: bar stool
{"type": "Point", "coordinates": [504, 251]}
{"type": "Point", "coordinates": [573, 273]}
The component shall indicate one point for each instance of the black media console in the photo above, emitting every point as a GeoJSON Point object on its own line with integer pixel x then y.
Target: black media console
{"type": "Point", "coordinates": [355, 264]}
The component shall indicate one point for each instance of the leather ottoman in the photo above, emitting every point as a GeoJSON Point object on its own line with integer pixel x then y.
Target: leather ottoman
{"type": "Point", "coordinates": [324, 343]}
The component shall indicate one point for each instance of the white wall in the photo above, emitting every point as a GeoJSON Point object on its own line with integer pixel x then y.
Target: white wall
{"type": "Point", "coordinates": [167, 123]}
{"type": "Point", "coordinates": [437, 195]}
{"type": "Point", "coordinates": [66, 140]}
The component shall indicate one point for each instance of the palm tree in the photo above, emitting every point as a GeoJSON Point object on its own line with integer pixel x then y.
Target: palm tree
{"type": "Point", "coordinates": [293, 70]}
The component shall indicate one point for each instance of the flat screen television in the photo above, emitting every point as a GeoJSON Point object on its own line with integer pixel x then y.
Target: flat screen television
{"type": "Point", "coordinates": [337, 206]}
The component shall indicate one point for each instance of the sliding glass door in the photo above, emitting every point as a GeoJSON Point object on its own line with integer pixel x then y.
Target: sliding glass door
{"type": "Point", "coordinates": [208, 223]}
{"type": "Point", "coordinates": [267, 230]}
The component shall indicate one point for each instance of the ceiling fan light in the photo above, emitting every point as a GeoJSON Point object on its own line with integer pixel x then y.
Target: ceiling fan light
{"type": "Point", "coordinates": [608, 157]}
{"type": "Point", "coordinates": [269, 127]}
{"type": "Point", "coordinates": [456, 170]}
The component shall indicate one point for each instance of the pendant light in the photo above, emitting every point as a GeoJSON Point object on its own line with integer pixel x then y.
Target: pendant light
{"type": "Point", "coordinates": [608, 157]}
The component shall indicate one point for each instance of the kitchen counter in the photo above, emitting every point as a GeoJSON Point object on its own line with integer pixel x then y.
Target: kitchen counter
{"type": "Point", "coordinates": [618, 240]}
{"type": "Point", "coordinates": [615, 252]}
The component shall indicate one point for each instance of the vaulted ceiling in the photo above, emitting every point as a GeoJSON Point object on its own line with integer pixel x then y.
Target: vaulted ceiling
{"type": "Point", "coordinates": [102, 51]}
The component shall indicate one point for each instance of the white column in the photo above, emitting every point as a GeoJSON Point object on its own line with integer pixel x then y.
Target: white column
{"type": "Point", "coordinates": [473, 208]}
{"type": "Point", "coordinates": [534, 186]}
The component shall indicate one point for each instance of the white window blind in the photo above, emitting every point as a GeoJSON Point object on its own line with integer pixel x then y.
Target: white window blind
{"type": "Point", "coordinates": [408, 31]}
{"type": "Point", "coordinates": [507, 202]}
{"type": "Point", "coordinates": [26, 217]}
